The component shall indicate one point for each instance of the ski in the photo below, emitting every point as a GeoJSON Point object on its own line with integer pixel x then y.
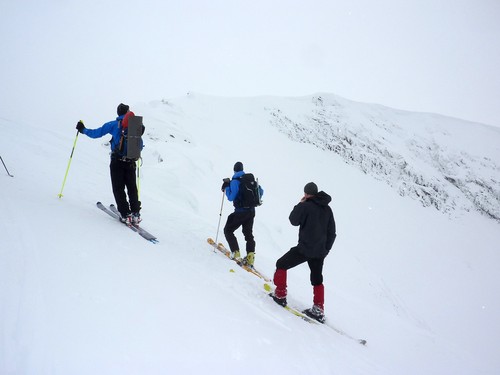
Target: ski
{"type": "Point", "coordinates": [113, 212]}
{"type": "Point", "coordinates": [220, 247]}
{"type": "Point", "coordinates": [142, 232]}
{"type": "Point", "coordinates": [269, 290]}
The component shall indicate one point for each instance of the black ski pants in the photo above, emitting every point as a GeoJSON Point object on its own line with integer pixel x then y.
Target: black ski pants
{"type": "Point", "coordinates": [234, 221]}
{"type": "Point", "coordinates": [123, 176]}
{"type": "Point", "coordinates": [293, 258]}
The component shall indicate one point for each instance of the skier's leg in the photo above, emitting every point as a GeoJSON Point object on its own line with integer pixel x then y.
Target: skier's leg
{"type": "Point", "coordinates": [233, 223]}
{"type": "Point", "coordinates": [130, 182]}
{"type": "Point", "coordinates": [117, 172]}
{"type": "Point", "coordinates": [316, 267]}
{"type": "Point", "coordinates": [247, 229]}
{"type": "Point", "coordinates": [279, 280]}
{"type": "Point", "coordinates": [289, 260]}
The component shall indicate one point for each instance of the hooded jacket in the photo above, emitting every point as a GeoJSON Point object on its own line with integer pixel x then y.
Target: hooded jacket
{"type": "Point", "coordinates": [317, 230]}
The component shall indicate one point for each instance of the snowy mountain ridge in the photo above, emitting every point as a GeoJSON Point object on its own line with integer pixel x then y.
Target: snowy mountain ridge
{"type": "Point", "coordinates": [409, 151]}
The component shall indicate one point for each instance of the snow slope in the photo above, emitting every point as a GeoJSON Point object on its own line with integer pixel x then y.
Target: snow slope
{"type": "Point", "coordinates": [81, 294]}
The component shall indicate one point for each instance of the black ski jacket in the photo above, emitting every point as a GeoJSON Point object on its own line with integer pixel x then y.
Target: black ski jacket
{"type": "Point", "coordinates": [317, 230]}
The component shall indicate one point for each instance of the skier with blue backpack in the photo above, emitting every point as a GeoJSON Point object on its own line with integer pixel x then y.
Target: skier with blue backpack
{"type": "Point", "coordinates": [122, 168]}
{"type": "Point", "coordinates": [245, 193]}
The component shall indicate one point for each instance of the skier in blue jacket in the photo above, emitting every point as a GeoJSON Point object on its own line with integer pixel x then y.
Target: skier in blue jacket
{"type": "Point", "coordinates": [122, 169]}
{"type": "Point", "coordinates": [242, 216]}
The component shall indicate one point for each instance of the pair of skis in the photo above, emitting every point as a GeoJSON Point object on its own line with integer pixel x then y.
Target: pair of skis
{"type": "Point", "coordinates": [269, 289]}
{"type": "Point", "coordinates": [227, 253]}
{"type": "Point", "coordinates": [113, 212]}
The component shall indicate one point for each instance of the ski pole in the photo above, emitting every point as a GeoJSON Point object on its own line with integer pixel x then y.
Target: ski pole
{"type": "Point", "coordinates": [69, 163]}
{"type": "Point", "coordinates": [5, 167]}
{"type": "Point", "coordinates": [139, 178]}
{"type": "Point", "coordinates": [220, 217]}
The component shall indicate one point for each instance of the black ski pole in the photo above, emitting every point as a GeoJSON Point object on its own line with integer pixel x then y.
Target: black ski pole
{"type": "Point", "coordinates": [5, 167]}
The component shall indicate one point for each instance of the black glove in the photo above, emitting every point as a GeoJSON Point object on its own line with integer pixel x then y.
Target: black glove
{"type": "Point", "coordinates": [143, 128]}
{"type": "Point", "coordinates": [80, 126]}
{"type": "Point", "coordinates": [225, 183]}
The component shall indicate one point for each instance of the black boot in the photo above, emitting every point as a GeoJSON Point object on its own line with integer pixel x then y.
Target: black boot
{"type": "Point", "coordinates": [315, 313]}
{"type": "Point", "coordinates": [279, 301]}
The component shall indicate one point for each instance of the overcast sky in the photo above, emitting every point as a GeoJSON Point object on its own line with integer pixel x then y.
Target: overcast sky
{"type": "Point", "coordinates": [72, 59]}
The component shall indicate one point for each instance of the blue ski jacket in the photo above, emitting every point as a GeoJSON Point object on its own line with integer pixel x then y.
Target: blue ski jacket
{"type": "Point", "coordinates": [111, 127]}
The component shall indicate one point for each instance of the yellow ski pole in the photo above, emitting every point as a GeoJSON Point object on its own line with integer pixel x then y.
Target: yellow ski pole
{"type": "Point", "coordinates": [69, 163]}
{"type": "Point", "coordinates": [138, 179]}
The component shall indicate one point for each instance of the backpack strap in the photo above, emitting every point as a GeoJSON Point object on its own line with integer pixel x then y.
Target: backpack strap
{"type": "Point", "coordinates": [122, 137]}
{"type": "Point", "coordinates": [117, 153]}
{"type": "Point", "coordinates": [237, 198]}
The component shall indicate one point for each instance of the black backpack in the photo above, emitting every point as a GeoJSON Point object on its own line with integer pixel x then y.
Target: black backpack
{"type": "Point", "coordinates": [249, 192]}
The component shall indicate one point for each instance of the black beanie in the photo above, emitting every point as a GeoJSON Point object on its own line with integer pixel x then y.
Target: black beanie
{"type": "Point", "coordinates": [238, 167]}
{"type": "Point", "coordinates": [122, 109]}
{"type": "Point", "coordinates": [311, 188]}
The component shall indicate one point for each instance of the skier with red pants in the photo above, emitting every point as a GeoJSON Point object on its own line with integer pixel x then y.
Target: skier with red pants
{"type": "Point", "coordinates": [317, 233]}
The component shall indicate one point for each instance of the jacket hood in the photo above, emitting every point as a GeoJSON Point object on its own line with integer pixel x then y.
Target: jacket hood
{"type": "Point", "coordinates": [321, 199]}
{"type": "Point", "coordinates": [238, 174]}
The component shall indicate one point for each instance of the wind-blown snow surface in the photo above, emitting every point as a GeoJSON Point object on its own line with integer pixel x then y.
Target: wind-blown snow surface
{"type": "Point", "coordinates": [81, 294]}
